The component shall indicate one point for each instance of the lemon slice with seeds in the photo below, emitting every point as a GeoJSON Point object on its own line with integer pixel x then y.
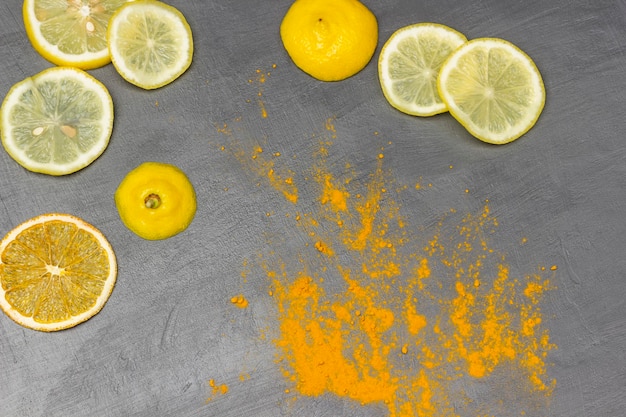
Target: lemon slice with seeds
{"type": "Point", "coordinates": [409, 63]}
{"type": "Point", "coordinates": [493, 89]}
{"type": "Point", "coordinates": [70, 32]}
{"type": "Point", "coordinates": [58, 121]}
{"type": "Point", "coordinates": [150, 43]}
{"type": "Point", "coordinates": [56, 271]}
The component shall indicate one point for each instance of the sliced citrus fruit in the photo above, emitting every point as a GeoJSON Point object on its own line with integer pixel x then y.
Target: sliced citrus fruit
{"type": "Point", "coordinates": [56, 271]}
{"type": "Point", "coordinates": [156, 200]}
{"type": "Point", "coordinates": [70, 32]}
{"type": "Point", "coordinates": [329, 39]}
{"type": "Point", "coordinates": [58, 121]}
{"type": "Point", "coordinates": [493, 89]}
{"type": "Point", "coordinates": [409, 63]}
{"type": "Point", "coordinates": [150, 43]}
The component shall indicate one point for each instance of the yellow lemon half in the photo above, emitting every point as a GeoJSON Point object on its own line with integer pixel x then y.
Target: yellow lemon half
{"type": "Point", "coordinates": [493, 89]}
{"type": "Point", "coordinates": [156, 200]}
{"type": "Point", "coordinates": [330, 40]}
{"type": "Point", "coordinates": [70, 32]}
{"type": "Point", "coordinates": [56, 271]}
{"type": "Point", "coordinates": [58, 121]}
{"type": "Point", "coordinates": [150, 42]}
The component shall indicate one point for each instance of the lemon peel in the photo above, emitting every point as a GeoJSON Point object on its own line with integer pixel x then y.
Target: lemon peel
{"type": "Point", "coordinates": [330, 40]}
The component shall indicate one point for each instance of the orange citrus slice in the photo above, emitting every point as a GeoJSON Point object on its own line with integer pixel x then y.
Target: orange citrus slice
{"type": "Point", "coordinates": [56, 271]}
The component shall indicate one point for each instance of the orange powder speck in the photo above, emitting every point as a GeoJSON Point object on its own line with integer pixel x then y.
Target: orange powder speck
{"type": "Point", "coordinates": [415, 321]}
{"type": "Point", "coordinates": [239, 301]}
{"type": "Point", "coordinates": [336, 197]}
{"type": "Point", "coordinates": [331, 127]}
{"type": "Point", "coordinates": [323, 248]}
{"type": "Point", "coordinates": [216, 389]}
{"type": "Point", "coordinates": [263, 109]}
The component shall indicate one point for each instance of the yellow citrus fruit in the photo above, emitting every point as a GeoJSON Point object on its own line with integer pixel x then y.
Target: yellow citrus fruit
{"type": "Point", "coordinates": [56, 271]}
{"type": "Point", "coordinates": [58, 121]}
{"type": "Point", "coordinates": [329, 39]}
{"type": "Point", "coordinates": [70, 32]}
{"type": "Point", "coordinates": [150, 43]}
{"type": "Point", "coordinates": [156, 200]}
{"type": "Point", "coordinates": [409, 63]}
{"type": "Point", "coordinates": [493, 89]}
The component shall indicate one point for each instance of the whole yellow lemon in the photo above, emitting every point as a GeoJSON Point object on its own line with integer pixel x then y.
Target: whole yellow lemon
{"type": "Point", "coordinates": [156, 200]}
{"type": "Point", "coordinates": [330, 40]}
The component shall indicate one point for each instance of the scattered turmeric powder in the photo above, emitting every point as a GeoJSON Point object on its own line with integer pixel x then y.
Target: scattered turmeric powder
{"type": "Point", "coordinates": [260, 79]}
{"type": "Point", "coordinates": [216, 389]}
{"type": "Point", "coordinates": [443, 298]}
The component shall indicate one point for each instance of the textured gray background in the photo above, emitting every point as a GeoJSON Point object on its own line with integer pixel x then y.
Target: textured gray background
{"type": "Point", "coordinates": [168, 327]}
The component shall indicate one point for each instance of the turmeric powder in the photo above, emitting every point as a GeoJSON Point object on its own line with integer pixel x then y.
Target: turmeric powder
{"type": "Point", "coordinates": [417, 317]}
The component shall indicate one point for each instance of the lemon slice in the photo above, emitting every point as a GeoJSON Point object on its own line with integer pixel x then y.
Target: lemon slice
{"type": "Point", "coordinates": [70, 32]}
{"type": "Point", "coordinates": [58, 121]}
{"type": "Point", "coordinates": [493, 89]}
{"type": "Point", "coordinates": [409, 63]}
{"type": "Point", "coordinates": [56, 271]}
{"type": "Point", "coordinates": [150, 43]}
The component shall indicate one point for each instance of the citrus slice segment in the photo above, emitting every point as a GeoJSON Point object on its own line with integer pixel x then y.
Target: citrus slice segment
{"type": "Point", "coordinates": [70, 32]}
{"type": "Point", "coordinates": [493, 89]}
{"type": "Point", "coordinates": [58, 121]}
{"type": "Point", "coordinates": [409, 63]}
{"type": "Point", "coordinates": [56, 271]}
{"type": "Point", "coordinates": [150, 42]}
{"type": "Point", "coordinates": [330, 40]}
{"type": "Point", "coordinates": [156, 200]}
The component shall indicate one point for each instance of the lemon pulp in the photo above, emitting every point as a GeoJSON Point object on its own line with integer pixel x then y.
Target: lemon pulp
{"type": "Point", "coordinates": [151, 43]}
{"type": "Point", "coordinates": [70, 32]}
{"type": "Point", "coordinates": [493, 89]}
{"type": "Point", "coordinates": [58, 121]}
{"type": "Point", "coordinates": [409, 64]}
